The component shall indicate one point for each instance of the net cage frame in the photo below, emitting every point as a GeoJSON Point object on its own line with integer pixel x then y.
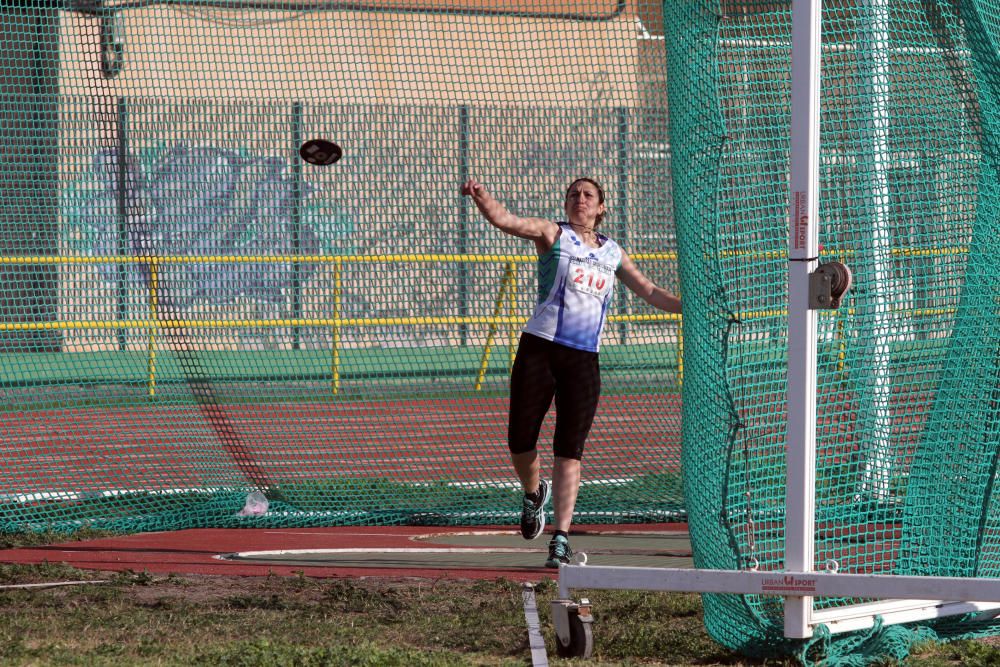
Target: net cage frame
{"type": "Point", "coordinates": [896, 599]}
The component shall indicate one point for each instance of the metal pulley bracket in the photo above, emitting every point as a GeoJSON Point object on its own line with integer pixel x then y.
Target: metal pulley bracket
{"type": "Point", "coordinates": [827, 285]}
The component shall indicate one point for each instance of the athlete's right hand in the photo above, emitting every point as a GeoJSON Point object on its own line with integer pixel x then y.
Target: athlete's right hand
{"type": "Point", "coordinates": [471, 188]}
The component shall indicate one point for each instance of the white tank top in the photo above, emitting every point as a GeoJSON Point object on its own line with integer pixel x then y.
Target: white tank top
{"type": "Point", "coordinates": [575, 287]}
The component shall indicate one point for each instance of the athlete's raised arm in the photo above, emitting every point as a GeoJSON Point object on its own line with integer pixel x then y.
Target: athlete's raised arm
{"type": "Point", "coordinates": [543, 232]}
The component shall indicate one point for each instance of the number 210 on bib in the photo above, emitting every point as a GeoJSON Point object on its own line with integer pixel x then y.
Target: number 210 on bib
{"type": "Point", "coordinates": [590, 278]}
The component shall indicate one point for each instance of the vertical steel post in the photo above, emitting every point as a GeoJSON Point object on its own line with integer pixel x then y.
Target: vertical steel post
{"type": "Point", "coordinates": [803, 251]}
{"type": "Point", "coordinates": [463, 224]}
{"type": "Point", "coordinates": [121, 215]}
{"type": "Point", "coordinates": [296, 216]}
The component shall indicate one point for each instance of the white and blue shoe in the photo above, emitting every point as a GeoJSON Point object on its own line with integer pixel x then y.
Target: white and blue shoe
{"type": "Point", "coordinates": [559, 552]}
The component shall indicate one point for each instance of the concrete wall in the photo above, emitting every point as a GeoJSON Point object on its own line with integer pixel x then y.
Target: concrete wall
{"type": "Point", "coordinates": [504, 91]}
{"type": "Point", "coordinates": [358, 56]}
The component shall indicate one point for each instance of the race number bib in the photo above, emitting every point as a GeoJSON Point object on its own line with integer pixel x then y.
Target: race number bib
{"type": "Point", "coordinates": [590, 277]}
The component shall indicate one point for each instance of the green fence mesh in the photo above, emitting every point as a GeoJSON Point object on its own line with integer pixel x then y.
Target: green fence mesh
{"type": "Point", "coordinates": [909, 366]}
{"type": "Point", "coordinates": [190, 312]}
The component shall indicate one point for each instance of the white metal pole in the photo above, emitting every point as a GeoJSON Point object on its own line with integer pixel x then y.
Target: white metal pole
{"type": "Point", "coordinates": [878, 459]}
{"type": "Point", "coordinates": [803, 249]}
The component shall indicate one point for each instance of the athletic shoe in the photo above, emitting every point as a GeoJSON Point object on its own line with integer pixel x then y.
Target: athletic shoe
{"type": "Point", "coordinates": [533, 514]}
{"type": "Point", "coordinates": [559, 552]}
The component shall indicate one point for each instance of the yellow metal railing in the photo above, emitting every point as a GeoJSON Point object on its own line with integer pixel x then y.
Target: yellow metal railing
{"type": "Point", "coordinates": [154, 283]}
{"type": "Point", "coordinates": [338, 293]}
{"type": "Point", "coordinates": [850, 252]}
{"type": "Point", "coordinates": [419, 257]}
{"type": "Point", "coordinates": [507, 285]}
{"type": "Point", "coordinates": [507, 295]}
{"type": "Point", "coordinates": [273, 259]}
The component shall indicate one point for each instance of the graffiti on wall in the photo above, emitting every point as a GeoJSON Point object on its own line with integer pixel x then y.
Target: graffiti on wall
{"type": "Point", "coordinates": [216, 203]}
{"type": "Point", "coordinates": [203, 202]}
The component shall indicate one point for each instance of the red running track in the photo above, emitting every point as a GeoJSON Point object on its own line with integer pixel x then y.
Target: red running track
{"type": "Point", "coordinates": [83, 450]}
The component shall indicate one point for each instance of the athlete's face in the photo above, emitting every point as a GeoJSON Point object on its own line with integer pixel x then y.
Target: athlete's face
{"type": "Point", "coordinates": [583, 203]}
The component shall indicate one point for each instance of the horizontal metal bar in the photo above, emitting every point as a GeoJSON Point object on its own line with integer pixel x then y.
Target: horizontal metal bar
{"type": "Point", "coordinates": [422, 257]}
{"type": "Point", "coordinates": [517, 9]}
{"type": "Point", "coordinates": [863, 616]}
{"type": "Point", "coordinates": [77, 325]}
{"type": "Point", "coordinates": [843, 47]}
{"type": "Point", "coordinates": [288, 259]}
{"type": "Point", "coordinates": [797, 584]}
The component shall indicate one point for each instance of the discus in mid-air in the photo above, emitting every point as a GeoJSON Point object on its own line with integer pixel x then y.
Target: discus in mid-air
{"type": "Point", "coordinates": [320, 152]}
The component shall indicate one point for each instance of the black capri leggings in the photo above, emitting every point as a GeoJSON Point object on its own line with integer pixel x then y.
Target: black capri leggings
{"type": "Point", "coordinates": [543, 369]}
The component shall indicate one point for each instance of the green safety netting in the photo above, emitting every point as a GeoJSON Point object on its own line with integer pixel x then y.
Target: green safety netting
{"type": "Point", "coordinates": [190, 313]}
{"type": "Point", "coordinates": [908, 367]}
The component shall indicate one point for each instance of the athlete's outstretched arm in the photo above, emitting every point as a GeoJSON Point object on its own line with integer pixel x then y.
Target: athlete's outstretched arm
{"type": "Point", "coordinates": [645, 288]}
{"type": "Point", "coordinates": [543, 232]}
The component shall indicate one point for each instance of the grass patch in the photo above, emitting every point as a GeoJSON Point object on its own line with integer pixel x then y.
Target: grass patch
{"type": "Point", "coordinates": [14, 540]}
{"type": "Point", "coordinates": [195, 620]}
{"type": "Point", "coordinates": [138, 618]}
{"type": "Point", "coordinates": [132, 366]}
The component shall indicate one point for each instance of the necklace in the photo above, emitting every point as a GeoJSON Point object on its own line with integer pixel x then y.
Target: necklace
{"type": "Point", "coordinates": [589, 231]}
